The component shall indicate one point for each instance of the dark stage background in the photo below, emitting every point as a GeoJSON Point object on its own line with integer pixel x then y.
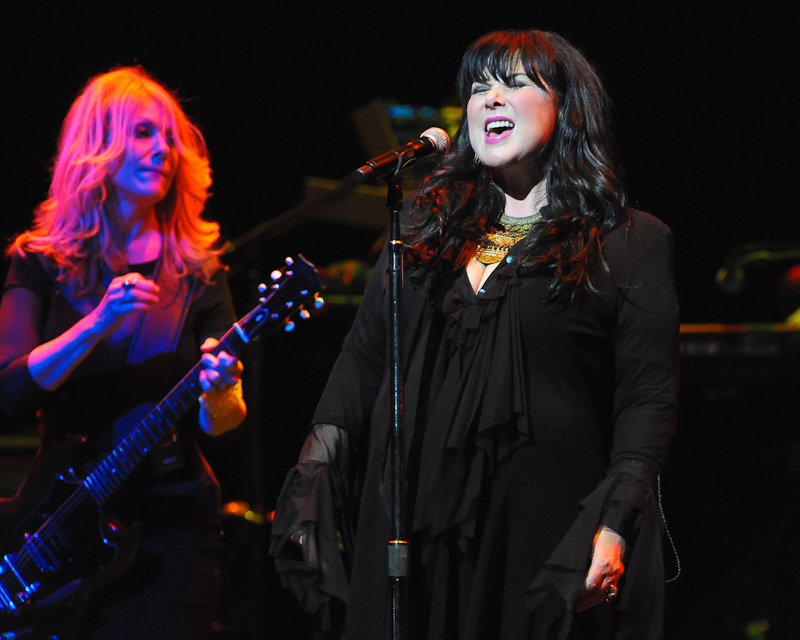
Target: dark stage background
{"type": "Point", "coordinates": [706, 112]}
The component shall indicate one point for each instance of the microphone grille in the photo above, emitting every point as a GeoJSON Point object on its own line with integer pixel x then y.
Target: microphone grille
{"type": "Point", "coordinates": [439, 138]}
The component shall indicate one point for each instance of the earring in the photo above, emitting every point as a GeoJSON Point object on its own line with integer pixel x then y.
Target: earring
{"type": "Point", "coordinates": [476, 159]}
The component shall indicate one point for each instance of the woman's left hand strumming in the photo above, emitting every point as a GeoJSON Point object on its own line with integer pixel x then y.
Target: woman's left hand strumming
{"type": "Point", "coordinates": [222, 406]}
{"type": "Point", "coordinates": [605, 571]}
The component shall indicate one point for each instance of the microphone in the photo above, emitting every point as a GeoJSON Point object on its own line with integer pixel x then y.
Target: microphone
{"type": "Point", "coordinates": [432, 142]}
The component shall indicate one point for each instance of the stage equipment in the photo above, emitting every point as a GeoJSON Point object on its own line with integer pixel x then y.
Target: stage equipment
{"type": "Point", "coordinates": [731, 277]}
{"type": "Point", "coordinates": [742, 352]}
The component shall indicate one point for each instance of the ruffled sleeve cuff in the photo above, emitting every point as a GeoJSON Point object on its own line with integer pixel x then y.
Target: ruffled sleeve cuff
{"type": "Point", "coordinates": [625, 499]}
{"type": "Point", "coordinates": [315, 501]}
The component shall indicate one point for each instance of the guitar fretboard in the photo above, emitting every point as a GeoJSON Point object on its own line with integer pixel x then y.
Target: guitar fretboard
{"type": "Point", "coordinates": [129, 453]}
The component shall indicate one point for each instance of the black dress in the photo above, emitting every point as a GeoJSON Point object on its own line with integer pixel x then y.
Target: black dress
{"type": "Point", "coordinates": [171, 589]}
{"type": "Point", "coordinates": [529, 424]}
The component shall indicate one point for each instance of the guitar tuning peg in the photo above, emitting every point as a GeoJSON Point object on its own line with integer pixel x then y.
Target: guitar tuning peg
{"type": "Point", "coordinates": [288, 325]}
{"type": "Point", "coordinates": [289, 261]}
{"type": "Point", "coordinates": [262, 288]}
{"type": "Point", "coordinates": [318, 301]}
{"type": "Point", "coordinates": [275, 274]}
{"type": "Point", "coordinates": [262, 300]}
{"type": "Point", "coordinates": [304, 314]}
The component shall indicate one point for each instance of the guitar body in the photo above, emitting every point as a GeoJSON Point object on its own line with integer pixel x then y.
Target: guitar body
{"type": "Point", "coordinates": [86, 550]}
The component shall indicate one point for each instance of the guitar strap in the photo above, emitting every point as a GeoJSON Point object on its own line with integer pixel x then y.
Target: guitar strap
{"type": "Point", "coordinates": [158, 331]}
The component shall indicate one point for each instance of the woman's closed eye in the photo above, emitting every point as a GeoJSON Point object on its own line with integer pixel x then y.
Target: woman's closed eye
{"type": "Point", "coordinates": [143, 131]}
{"type": "Point", "coordinates": [519, 81]}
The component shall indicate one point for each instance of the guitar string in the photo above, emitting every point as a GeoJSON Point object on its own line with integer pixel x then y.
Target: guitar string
{"type": "Point", "coordinates": [38, 544]}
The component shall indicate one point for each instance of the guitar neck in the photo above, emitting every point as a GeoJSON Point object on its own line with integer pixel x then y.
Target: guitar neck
{"type": "Point", "coordinates": [115, 468]}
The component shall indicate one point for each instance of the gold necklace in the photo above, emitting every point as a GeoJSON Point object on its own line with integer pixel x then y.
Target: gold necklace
{"type": "Point", "coordinates": [514, 230]}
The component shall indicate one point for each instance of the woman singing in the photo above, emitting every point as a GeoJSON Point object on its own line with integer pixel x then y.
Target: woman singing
{"type": "Point", "coordinates": [110, 298]}
{"type": "Point", "coordinates": [540, 336]}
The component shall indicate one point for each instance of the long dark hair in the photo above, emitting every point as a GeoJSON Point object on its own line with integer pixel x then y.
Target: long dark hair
{"type": "Point", "coordinates": [584, 190]}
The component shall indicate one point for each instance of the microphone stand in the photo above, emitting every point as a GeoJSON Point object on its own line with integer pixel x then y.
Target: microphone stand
{"type": "Point", "coordinates": [398, 549]}
{"type": "Point", "coordinates": [391, 166]}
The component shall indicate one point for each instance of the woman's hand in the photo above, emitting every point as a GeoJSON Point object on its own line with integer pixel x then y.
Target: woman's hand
{"type": "Point", "coordinates": [220, 378]}
{"type": "Point", "coordinates": [307, 546]}
{"type": "Point", "coordinates": [605, 571]}
{"type": "Point", "coordinates": [125, 294]}
{"type": "Point", "coordinates": [51, 363]}
{"type": "Point", "coordinates": [219, 373]}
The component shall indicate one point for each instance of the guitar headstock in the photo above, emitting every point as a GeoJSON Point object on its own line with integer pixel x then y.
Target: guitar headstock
{"type": "Point", "coordinates": [291, 289]}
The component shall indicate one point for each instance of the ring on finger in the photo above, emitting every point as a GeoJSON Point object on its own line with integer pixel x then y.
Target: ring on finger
{"type": "Point", "coordinates": [129, 284]}
{"type": "Point", "coordinates": [611, 592]}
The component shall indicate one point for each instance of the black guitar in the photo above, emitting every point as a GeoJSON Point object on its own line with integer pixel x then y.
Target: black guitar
{"type": "Point", "coordinates": [58, 543]}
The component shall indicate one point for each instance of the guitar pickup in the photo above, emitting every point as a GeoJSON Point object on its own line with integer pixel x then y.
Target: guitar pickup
{"type": "Point", "coordinates": [37, 550]}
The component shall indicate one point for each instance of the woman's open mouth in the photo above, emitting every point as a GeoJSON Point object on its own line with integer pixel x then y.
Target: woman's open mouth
{"type": "Point", "coordinates": [497, 130]}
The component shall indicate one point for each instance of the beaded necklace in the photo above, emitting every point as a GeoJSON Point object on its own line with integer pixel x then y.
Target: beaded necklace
{"type": "Point", "coordinates": [514, 229]}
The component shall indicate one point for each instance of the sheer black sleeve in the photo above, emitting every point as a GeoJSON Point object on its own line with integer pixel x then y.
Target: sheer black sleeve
{"type": "Point", "coordinates": [315, 504]}
{"type": "Point", "coordinates": [358, 373]}
{"type": "Point", "coordinates": [314, 526]}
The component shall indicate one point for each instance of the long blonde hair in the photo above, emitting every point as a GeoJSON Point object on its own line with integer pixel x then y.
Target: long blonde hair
{"type": "Point", "coordinates": [77, 230]}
